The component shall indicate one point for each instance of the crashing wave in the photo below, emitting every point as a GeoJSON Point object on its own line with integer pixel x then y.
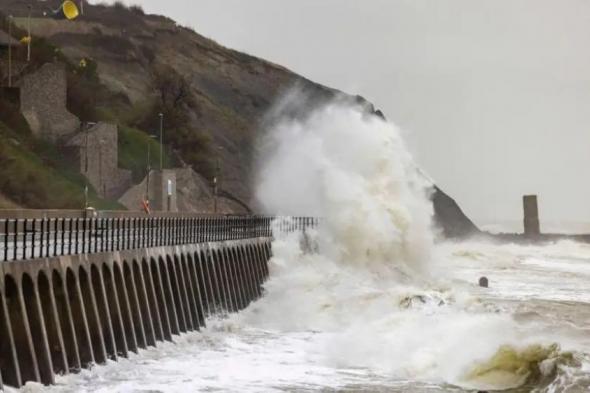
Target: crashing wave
{"type": "Point", "coordinates": [510, 367]}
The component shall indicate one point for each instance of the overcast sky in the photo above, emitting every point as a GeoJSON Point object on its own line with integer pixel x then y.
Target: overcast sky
{"type": "Point", "coordinates": [494, 95]}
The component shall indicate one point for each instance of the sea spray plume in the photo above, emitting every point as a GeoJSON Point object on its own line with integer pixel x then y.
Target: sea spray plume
{"type": "Point", "coordinates": [361, 301]}
{"type": "Point", "coordinates": [352, 168]}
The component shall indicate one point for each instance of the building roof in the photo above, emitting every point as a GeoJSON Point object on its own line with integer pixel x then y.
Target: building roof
{"type": "Point", "coordinates": [6, 40]}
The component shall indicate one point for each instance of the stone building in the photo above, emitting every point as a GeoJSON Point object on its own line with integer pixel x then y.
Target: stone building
{"type": "Point", "coordinates": [43, 103]}
{"type": "Point", "coordinates": [95, 149]}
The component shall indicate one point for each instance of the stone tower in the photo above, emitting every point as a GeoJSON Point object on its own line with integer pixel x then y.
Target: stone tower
{"type": "Point", "coordinates": [531, 216]}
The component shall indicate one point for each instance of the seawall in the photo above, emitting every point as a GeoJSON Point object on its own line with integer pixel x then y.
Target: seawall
{"type": "Point", "coordinates": [61, 313]}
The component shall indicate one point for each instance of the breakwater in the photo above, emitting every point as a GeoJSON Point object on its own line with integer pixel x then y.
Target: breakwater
{"type": "Point", "coordinates": [78, 291]}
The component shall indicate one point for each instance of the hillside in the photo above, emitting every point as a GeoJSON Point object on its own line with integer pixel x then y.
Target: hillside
{"type": "Point", "coordinates": [213, 99]}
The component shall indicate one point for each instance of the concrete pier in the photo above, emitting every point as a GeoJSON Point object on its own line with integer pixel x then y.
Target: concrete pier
{"type": "Point", "coordinates": [64, 313]}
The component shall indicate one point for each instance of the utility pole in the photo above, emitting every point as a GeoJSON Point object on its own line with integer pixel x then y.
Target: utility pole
{"type": "Point", "coordinates": [216, 180]}
{"type": "Point", "coordinates": [10, 51]}
{"type": "Point", "coordinates": [82, 7]}
{"type": "Point", "coordinates": [161, 141]}
{"type": "Point", "coordinates": [147, 187]}
{"type": "Point", "coordinates": [29, 34]}
{"type": "Point", "coordinates": [86, 168]}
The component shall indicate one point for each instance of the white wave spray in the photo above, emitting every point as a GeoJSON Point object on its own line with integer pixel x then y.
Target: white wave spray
{"type": "Point", "coordinates": [352, 169]}
{"type": "Point", "coordinates": [369, 292]}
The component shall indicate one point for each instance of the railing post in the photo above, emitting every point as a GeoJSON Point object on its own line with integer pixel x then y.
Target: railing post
{"type": "Point", "coordinates": [158, 231]}
{"type": "Point", "coordinates": [95, 236]}
{"type": "Point", "coordinates": [24, 237]}
{"type": "Point", "coordinates": [168, 224]}
{"type": "Point", "coordinates": [77, 237]}
{"type": "Point", "coordinates": [83, 234]}
{"type": "Point", "coordinates": [117, 222]}
{"type": "Point", "coordinates": [69, 236]}
{"type": "Point", "coordinates": [6, 222]}
{"type": "Point", "coordinates": [129, 232]}
{"type": "Point", "coordinates": [14, 239]}
{"type": "Point", "coordinates": [34, 233]}
{"type": "Point", "coordinates": [132, 237]}
{"type": "Point", "coordinates": [63, 236]}
{"type": "Point", "coordinates": [143, 232]}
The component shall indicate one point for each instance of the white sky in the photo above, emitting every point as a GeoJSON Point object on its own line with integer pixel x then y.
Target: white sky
{"type": "Point", "coordinates": [494, 94]}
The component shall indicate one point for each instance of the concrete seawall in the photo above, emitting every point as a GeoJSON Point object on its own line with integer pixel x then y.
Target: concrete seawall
{"type": "Point", "coordinates": [64, 313]}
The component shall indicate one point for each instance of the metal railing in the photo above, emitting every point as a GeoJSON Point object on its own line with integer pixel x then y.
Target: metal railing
{"type": "Point", "coordinates": [32, 238]}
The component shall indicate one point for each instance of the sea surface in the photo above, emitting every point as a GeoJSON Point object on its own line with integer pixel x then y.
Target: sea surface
{"type": "Point", "coordinates": [328, 327]}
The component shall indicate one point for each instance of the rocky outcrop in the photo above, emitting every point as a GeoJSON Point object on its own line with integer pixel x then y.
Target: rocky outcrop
{"type": "Point", "coordinates": [449, 217]}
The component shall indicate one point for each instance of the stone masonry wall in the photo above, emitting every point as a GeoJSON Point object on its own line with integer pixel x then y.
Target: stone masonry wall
{"type": "Point", "coordinates": [103, 172]}
{"type": "Point", "coordinates": [43, 103]}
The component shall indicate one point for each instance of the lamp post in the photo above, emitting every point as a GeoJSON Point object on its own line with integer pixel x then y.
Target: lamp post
{"type": "Point", "coordinates": [216, 180]}
{"type": "Point", "coordinates": [10, 52]}
{"type": "Point", "coordinates": [85, 166]}
{"type": "Point", "coordinates": [161, 141]}
{"type": "Point", "coordinates": [148, 169]}
{"type": "Point", "coordinates": [29, 34]}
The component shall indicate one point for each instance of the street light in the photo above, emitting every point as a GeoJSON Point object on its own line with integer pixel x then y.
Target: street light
{"type": "Point", "coordinates": [149, 169]}
{"type": "Point", "coordinates": [161, 143]}
{"type": "Point", "coordinates": [29, 34]}
{"type": "Point", "coordinates": [10, 51]}
{"type": "Point", "coordinates": [216, 180]}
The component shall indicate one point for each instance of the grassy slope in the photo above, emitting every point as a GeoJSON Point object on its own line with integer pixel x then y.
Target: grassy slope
{"type": "Point", "coordinates": [35, 175]}
{"type": "Point", "coordinates": [133, 150]}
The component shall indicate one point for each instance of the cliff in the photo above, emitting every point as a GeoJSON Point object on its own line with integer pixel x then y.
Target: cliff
{"type": "Point", "coordinates": [126, 67]}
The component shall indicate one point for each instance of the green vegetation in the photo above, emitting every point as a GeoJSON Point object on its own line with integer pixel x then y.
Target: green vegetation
{"type": "Point", "coordinates": [174, 99]}
{"type": "Point", "coordinates": [133, 151]}
{"type": "Point", "coordinates": [32, 174]}
{"type": "Point", "coordinates": [37, 174]}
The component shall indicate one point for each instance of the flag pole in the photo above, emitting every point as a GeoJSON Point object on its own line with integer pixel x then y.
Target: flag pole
{"type": "Point", "coordinates": [10, 51]}
{"type": "Point", "coordinates": [29, 34]}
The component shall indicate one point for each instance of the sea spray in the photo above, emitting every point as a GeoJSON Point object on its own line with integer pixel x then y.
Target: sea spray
{"type": "Point", "coordinates": [352, 169]}
{"type": "Point", "coordinates": [369, 293]}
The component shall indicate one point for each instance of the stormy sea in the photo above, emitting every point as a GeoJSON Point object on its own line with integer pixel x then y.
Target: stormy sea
{"type": "Point", "coordinates": [374, 299]}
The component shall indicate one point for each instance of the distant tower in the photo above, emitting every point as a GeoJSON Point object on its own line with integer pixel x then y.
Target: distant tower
{"type": "Point", "coordinates": [531, 216]}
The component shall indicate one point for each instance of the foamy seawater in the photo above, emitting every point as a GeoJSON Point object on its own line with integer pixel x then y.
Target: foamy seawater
{"type": "Point", "coordinates": [367, 302]}
{"type": "Point", "coordinates": [346, 332]}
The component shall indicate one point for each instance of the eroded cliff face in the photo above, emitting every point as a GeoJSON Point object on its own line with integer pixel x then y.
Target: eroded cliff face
{"type": "Point", "coordinates": [214, 99]}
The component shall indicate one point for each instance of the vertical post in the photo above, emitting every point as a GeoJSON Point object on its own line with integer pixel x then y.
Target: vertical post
{"type": "Point", "coordinates": [86, 169]}
{"type": "Point", "coordinates": [77, 235]}
{"type": "Point", "coordinates": [15, 239]}
{"type": "Point", "coordinates": [25, 239]}
{"type": "Point", "coordinates": [29, 34]}
{"type": "Point", "coordinates": [10, 51]}
{"type": "Point", "coordinates": [6, 222]}
{"type": "Point", "coordinates": [63, 236]}
{"type": "Point", "coordinates": [82, 7]}
{"type": "Point", "coordinates": [161, 140]}
{"type": "Point", "coordinates": [70, 236]}
{"type": "Point", "coordinates": [34, 233]}
{"type": "Point", "coordinates": [531, 216]}
{"type": "Point", "coordinates": [216, 180]}
{"type": "Point", "coordinates": [55, 237]}
{"type": "Point", "coordinates": [147, 185]}
{"type": "Point", "coordinates": [117, 246]}
{"type": "Point", "coordinates": [95, 225]}
{"type": "Point", "coordinates": [127, 233]}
